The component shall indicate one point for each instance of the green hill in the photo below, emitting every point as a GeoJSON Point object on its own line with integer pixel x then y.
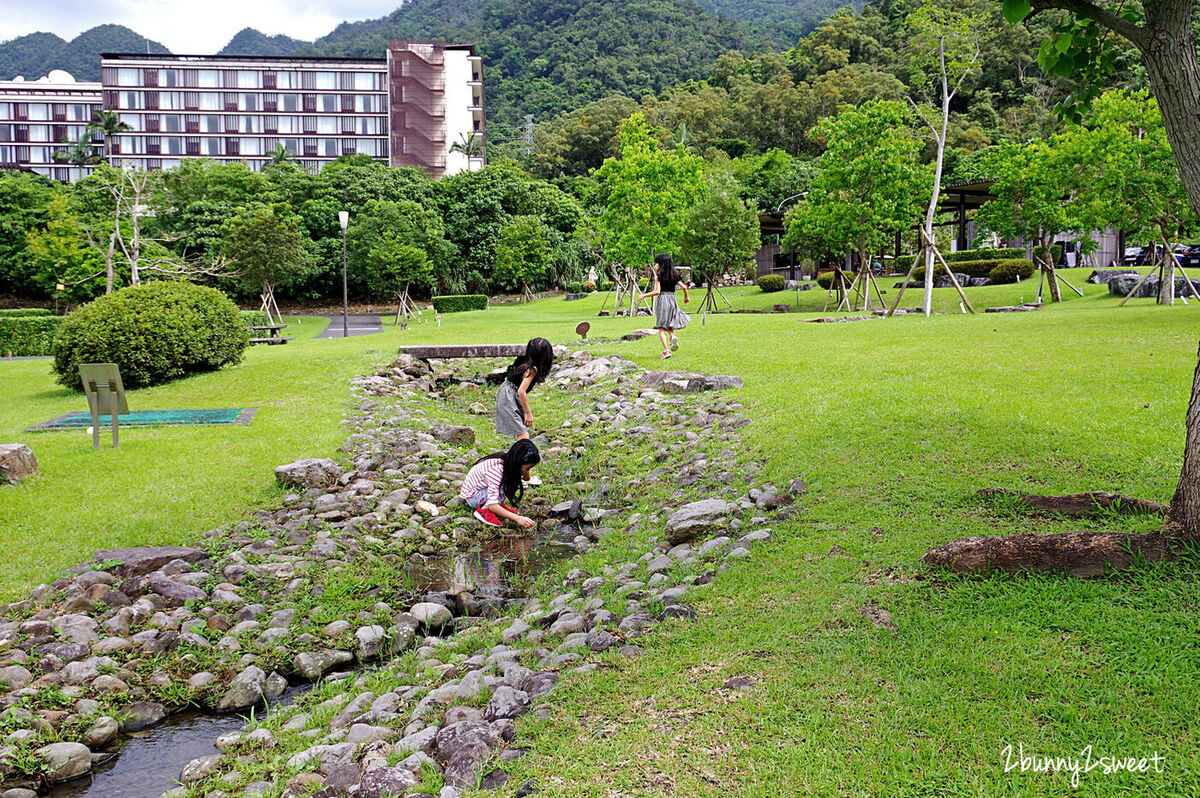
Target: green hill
{"type": "Point", "coordinates": [249, 41]}
{"type": "Point", "coordinates": [36, 54]}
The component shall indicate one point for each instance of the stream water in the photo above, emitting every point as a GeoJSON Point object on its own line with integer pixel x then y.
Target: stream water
{"type": "Point", "coordinates": [149, 763]}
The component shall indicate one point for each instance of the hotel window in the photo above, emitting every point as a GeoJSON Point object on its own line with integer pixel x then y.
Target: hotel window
{"type": "Point", "coordinates": [208, 79]}
{"type": "Point", "coordinates": [348, 147]}
{"type": "Point", "coordinates": [291, 145]}
{"type": "Point", "coordinates": [251, 124]}
{"type": "Point", "coordinates": [211, 124]}
{"type": "Point", "coordinates": [168, 77]}
{"type": "Point", "coordinates": [325, 80]}
{"type": "Point", "coordinates": [39, 154]}
{"type": "Point", "coordinates": [130, 99]}
{"type": "Point", "coordinates": [289, 102]}
{"type": "Point", "coordinates": [249, 102]}
{"type": "Point", "coordinates": [327, 124]}
{"type": "Point", "coordinates": [39, 132]}
{"type": "Point", "coordinates": [289, 124]}
{"type": "Point", "coordinates": [329, 147]}
{"type": "Point", "coordinates": [210, 101]}
{"type": "Point", "coordinates": [249, 79]}
{"type": "Point", "coordinates": [366, 81]}
{"type": "Point", "coordinates": [127, 77]}
{"type": "Point", "coordinates": [368, 126]}
{"type": "Point", "coordinates": [251, 147]}
{"type": "Point", "coordinates": [212, 146]}
{"type": "Point", "coordinates": [171, 123]}
{"type": "Point", "coordinates": [39, 112]}
{"type": "Point", "coordinates": [6, 133]}
{"type": "Point", "coordinates": [133, 120]}
{"type": "Point", "coordinates": [231, 146]}
{"type": "Point", "coordinates": [172, 145]}
{"type": "Point", "coordinates": [287, 80]}
{"type": "Point", "coordinates": [170, 100]}
{"type": "Point", "coordinates": [329, 103]}
{"type": "Point", "coordinates": [367, 104]}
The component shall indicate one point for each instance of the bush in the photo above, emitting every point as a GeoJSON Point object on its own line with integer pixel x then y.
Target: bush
{"type": "Point", "coordinates": [1056, 254]}
{"type": "Point", "coordinates": [770, 283]}
{"type": "Point", "coordinates": [20, 313]}
{"type": "Point", "coordinates": [604, 285]}
{"type": "Point", "coordinates": [1007, 271]}
{"type": "Point", "coordinates": [28, 336]}
{"type": "Point", "coordinates": [154, 333]}
{"type": "Point", "coordinates": [575, 287]}
{"type": "Point", "coordinates": [971, 268]}
{"type": "Point", "coordinates": [983, 254]}
{"type": "Point", "coordinates": [825, 280]}
{"type": "Point", "coordinates": [455, 304]}
{"type": "Point", "coordinates": [255, 318]}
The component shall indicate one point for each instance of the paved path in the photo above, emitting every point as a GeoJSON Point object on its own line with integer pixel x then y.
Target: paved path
{"type": "Point", "coordinates": [359, 325]}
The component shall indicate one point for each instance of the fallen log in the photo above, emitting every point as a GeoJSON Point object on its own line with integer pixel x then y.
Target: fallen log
{"type": "Point", "coordinates": [1080, 504]}
{"type": "Point", "coordinates": [1082, 554]}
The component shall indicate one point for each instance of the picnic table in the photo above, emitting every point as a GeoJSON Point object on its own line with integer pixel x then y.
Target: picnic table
{"type": "Point", "coordinates": [272, 334]}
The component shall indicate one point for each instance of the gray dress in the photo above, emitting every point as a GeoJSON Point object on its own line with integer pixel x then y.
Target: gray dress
{"type": "Point", "coordinates": [510, 416]}
{"type": "Point", "coordinates": [667, 314]}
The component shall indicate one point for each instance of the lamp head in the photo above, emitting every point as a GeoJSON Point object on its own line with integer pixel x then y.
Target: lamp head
{"type": "Point", "coordinates": [344, 219]}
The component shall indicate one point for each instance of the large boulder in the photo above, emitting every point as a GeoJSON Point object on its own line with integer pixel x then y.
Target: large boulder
{"type": "Point", "coordinates": [692, 520]}
{"type": "Point", "coordinates": [65, 761]}
{"type": "Point", "coordinates": [1104, 276]}
{"type": "Point", "coordinates": [385, 782]}
{"type": "Point", "coordinates": [455, 435]}
{"type": "Point", "coordinates": [140, 560]}
{"type": "Point", "coordinates": [16, 462]}
{"type": "Point", "coordinates": [311, 665]}
{"type": "Point", "coordinates": [310, 472]}
{"type": "Point", "coordinates": [430, 614]}
{"type": "Point", "coordinates": [245, 690]}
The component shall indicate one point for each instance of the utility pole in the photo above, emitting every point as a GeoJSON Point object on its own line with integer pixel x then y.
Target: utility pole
{"type": "Point", "coordinates": [528, 133]}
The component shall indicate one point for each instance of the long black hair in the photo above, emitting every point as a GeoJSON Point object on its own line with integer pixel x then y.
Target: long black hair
{"type": "Point", "coordinates": [667, 273]}
{"type": "Point", "coordinates": [523, 452]}
{"type": "Point", "coordinates": [539, 355]}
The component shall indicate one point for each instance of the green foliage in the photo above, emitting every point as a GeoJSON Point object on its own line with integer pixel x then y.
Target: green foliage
{"type": "Point", "coordinates": [375, 238]}
{"type": "Point", "coordinates": [459, 303]}
{"type": "Point", "coordinates": [647, 193]}
{"type": "Point", "coordinates": [524, 254]}
{"type": "Point", "coordinates": [1007, 271]}
{"type": "Point", "coordinates": [255, 318]}
{"type": "Point", "coordinates": [13, 313]}
{"type": "Point", "coordinates": [997, 253]}
{"type": "Point", "coordinates": [869, 185]}
{"type": "Point", "coordinates": [36, 54]}
{"type": "Point", "coordinates": [825, 279]}
{"type": "Point", "coordinates": [58, 254]}
{"type": "Point", "coordinates": [24, 199]}
{"type": "Point", "coordinates": [265, 244]}
{"type": "Point", "coordinates": [397, 266]}
{"type": "Point", "coordinates": [720, 235]}
{"type": "Point", "coordinates": [154, 333]}
{"type": "Point", "coordinates": [24, 336]}
{"type": "Point", "coordinates": [770, 283]}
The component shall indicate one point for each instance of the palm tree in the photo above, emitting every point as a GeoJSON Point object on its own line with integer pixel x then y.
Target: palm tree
{"type": "Point", "coordinates": [281, 155]}
{"type": "Point", "coordinates": [470, 145]}
{"type": "Point", "coordinates": [80, 153]}
{"type": "Point", "coordinates": [107, 124]}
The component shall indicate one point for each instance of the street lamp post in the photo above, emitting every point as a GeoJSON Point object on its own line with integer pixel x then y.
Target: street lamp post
{"type": "Point", "coordinates": [344, 221]}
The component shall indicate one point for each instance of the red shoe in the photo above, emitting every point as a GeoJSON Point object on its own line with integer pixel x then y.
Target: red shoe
{"type": "Point", "coordinates": [506, 507]}
{"type": "Point", "coordinates": [488, 517]}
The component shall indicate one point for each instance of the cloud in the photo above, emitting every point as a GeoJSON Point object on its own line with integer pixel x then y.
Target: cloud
{"type": "Point", "coordinates": [185, 26]}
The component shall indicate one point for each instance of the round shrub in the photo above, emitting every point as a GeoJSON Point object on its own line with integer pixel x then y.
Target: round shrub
{"type": "Point", "coordinates": [825, 279]}
{"type": "Point", "coordinates": [1007, 271]}
{"type": "Point", "coordinates": [155, 333]}
{"type": "Point", "coordinates": [770, 283]}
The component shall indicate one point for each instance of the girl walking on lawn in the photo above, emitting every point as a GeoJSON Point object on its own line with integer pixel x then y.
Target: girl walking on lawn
{"type": "Point", "coordinates": [496, 479]}
{"type": "Point", "coordinates": [513, 416]}
{"type": "Point", "coordinates": [667, 316]}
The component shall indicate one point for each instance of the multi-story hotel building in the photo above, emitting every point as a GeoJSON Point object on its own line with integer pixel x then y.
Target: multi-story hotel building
{"type": "Point", "coordinates": [40, 117]}
{"type": "Point", "coordinates": [408, 109]}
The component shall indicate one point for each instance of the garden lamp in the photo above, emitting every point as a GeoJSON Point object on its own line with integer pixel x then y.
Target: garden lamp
{"type": "Point", "coordinates": [344, 222]}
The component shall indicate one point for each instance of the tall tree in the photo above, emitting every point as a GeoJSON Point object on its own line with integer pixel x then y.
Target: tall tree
{"type": "Point", "coordinates": [264, 243]}
{"type": "Point", "coordinates": [945, 49]}
{"type": "Point", "coordinates": [523, 256]}
{"type": "Point", "coordinates": [721, 234]}
{"type": "Point", "coordinates": [396, 267]}
{"type": "Point", "coordinates": [107, 124]}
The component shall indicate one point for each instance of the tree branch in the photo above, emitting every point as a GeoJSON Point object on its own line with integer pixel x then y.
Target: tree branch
{"type": "Point", "coordinates": [1138, 36]}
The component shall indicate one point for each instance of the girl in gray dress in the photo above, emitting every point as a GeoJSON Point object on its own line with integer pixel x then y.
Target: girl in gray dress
{"type": "Point", "coordinates": [667, 316]}
{"type": "Point", "coordinates": [513, 416]}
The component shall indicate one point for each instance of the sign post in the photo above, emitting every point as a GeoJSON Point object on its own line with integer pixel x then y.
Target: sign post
{"type": "Point", "coordinates": [106, 396]}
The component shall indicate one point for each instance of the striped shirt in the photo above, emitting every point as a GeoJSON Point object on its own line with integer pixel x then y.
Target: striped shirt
{"type": "Point", "coordinates": [486, 475]}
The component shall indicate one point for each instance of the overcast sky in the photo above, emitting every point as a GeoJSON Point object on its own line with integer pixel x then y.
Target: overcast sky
{"type": "Point", "coordinates": [187, 26]}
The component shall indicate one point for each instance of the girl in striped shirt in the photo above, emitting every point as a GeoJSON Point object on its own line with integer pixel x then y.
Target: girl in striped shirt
{"type": "Point", "coordinates": [497, 478]}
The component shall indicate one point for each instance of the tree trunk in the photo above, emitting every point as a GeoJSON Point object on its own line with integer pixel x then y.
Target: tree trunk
{"type": "Point", "coordinates": [109, 257]}
{"type": "Point", "coordinates": [1166, 288]}
{"type": "Point", "coordinates": [1170, 57]}
{"type": "Point", "coordinates": [1184, 516]}
{"type": "Point", "coordinates": [1083, 554]}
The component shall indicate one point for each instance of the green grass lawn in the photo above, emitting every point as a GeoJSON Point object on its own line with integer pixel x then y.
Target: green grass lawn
{"type": "Point", "coordinates": [895, 424]}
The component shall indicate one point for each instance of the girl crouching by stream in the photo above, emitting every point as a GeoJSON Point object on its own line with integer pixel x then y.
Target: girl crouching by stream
{"type": "Point", "coordinates": [496, 479]}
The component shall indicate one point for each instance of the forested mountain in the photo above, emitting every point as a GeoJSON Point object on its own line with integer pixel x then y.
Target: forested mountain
{"type": "Point", "coordinates": [249, 41]}
{"type": "Point", "coordinates": [782, 21]}
{"type": "Point", "coordinates": [36, 54]}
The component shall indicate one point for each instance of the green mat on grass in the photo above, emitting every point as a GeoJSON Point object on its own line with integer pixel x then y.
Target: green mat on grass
{"type": "Point", "coordinates": [152, 418]}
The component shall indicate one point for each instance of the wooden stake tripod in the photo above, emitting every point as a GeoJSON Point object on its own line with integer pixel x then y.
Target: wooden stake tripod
{"type": "Point", "coordinates": [627, 296]}
{"type": "Point", "coordinates": [405, 307]}
{"type": "Point", "coordinates": [268, 305]}
{"type": "Point", "coordinates": [1161, 268]}
{"type": "Point", "coordinates": [927, 244]}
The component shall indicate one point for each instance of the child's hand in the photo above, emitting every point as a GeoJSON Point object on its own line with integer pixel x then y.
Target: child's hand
{"type": "Point", "coordinates": [529, 419]}
{"type": "Point", "coordinates": [525, 523]}
{"type": "Point", "coordinates": [686, 300]}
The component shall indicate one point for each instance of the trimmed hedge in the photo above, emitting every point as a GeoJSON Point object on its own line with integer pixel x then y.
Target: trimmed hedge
{"type": "Point", "coordinates": [21, 313]}
{"type": "Point", "coordinates": [155, 333]}
{"type": "Point", "coordinates": [1003, 253]}
{"type": "Point", "coordinates": [28, 336]}
{"type": "Point", "coordinates": [1007, 271]}
{"type": "Point", "coordinates": [575, 287]}
{"type": "Point", "coordinates": [255, 318]}
{"type": "Point", "coordinates": [455, 304]}
{"type": "Point", "coordinates": [770, 283]}
{"type": "Point", "coordinates": [973, 268]}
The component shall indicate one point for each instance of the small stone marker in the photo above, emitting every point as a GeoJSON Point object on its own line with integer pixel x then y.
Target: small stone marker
{"type": "Point", "coordinates": [581, 329]}
{"type": "Point", "coordinates": [16, 462]}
